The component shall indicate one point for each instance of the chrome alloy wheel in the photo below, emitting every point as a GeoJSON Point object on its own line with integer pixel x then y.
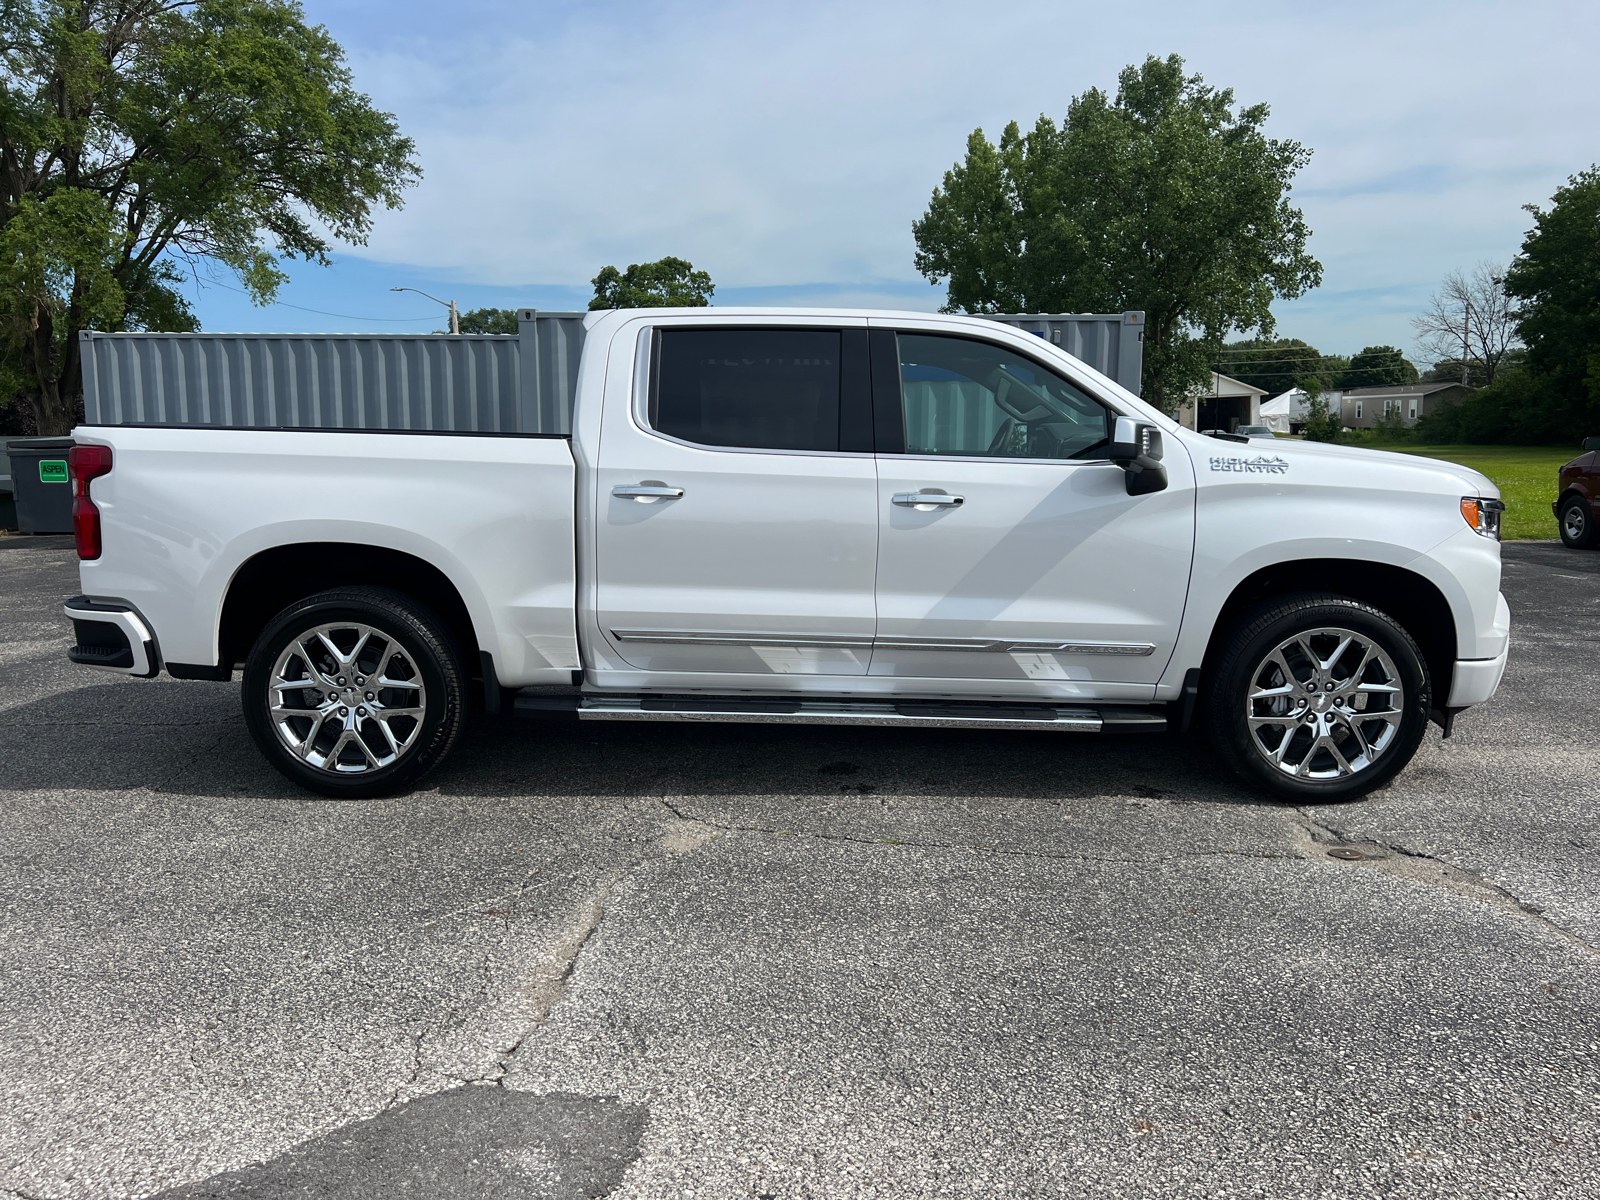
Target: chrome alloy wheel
{"type": "Point", "coordinates": [1325, 704]}
{"type": "Point", "coordinates": [347, 697]}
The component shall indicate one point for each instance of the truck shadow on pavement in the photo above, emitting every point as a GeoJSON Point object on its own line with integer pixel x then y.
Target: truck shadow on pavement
{"type": "Point", "coordinates": [189, 739]}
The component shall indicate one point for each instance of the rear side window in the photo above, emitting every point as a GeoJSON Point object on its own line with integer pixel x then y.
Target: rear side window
{"type": "Point", "coordinates": [757, 389]}
{"type": "Point", "coordinates": [976, 399]}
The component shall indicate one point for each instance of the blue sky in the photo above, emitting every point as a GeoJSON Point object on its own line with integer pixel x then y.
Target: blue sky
{"type": "Point", "coordinates": [787, 148]}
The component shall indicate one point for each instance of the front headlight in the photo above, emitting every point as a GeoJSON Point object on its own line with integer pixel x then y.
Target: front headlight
{"type": "Point", "coordinates": [1483, 515]}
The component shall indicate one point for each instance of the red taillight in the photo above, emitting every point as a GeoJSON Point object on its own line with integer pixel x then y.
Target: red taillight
{"type": "Point", "coordinates": [85, 463]}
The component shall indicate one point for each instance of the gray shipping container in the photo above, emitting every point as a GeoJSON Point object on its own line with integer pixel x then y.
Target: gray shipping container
{"type": "Point", "coordinates": [444, 383]}
{"type": "Point", "coordinates": [1111, 343]}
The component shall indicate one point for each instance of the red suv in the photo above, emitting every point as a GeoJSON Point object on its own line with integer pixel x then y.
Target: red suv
{"type": "Point", "coordinates": [1578, 494]}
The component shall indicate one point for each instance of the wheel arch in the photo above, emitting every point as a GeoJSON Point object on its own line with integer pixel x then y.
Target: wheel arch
{"type": "Point", "coordinates": [1413, 600]}
{"type": "Point", "coordinates": [272, 579]}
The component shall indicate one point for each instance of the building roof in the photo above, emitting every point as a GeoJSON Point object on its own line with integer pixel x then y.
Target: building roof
{"type": "Point", "coordinates": [1284, 403]}
{"type": "Point", "coordinates": [1400, 389]}
{"type": "Point", "coordinates": [1227, 385]}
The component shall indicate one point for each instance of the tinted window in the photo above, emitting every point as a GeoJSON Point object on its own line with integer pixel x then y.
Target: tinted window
{"type": "Point", "coordinates": [765, 389]}
{"type": "Point", "coordinates": [972, 398]}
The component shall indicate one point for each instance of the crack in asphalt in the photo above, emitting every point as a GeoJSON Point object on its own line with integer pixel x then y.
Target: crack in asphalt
{"type": "Point", "coordinates": [549, 993]}
{"type": "Point", "coordinates": [416, 1070]}
{"type": "Point", "coordinates": [1390, 858]}
{"type": "Point", "coordinates": [993, 851]}
{"type": "Point", "coordinates": [545, 991]}
{"type": "Point", "coordinates": [1317, 839]}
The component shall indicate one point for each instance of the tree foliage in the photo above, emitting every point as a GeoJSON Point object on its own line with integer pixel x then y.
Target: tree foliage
{"type": "Point", "coordinates": [1164, 198]}
{"type": "Point", "coordinates": [666, 283]}
{"type": "Point", "coordinates": [1514, 410]}
{"type": "Point", "coordinates": [140, 135]}
{"type": "Point", "coordinates": [488, 320]}
{"type": "Point", "coordinates": [1324, 423]}
{"type": "Point", "coordinates": [1557, 279]}
{"type": "Point", "coordinates": [1452, 370]}
{"type": "Point", "coordinates": [1378, 366]}
{"type": "Point", "coordinates": [1277, 364]}
{"type": "Point", "coordinates": [1549, 392]}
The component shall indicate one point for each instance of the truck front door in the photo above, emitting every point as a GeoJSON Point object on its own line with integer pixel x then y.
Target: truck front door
{"type": "Point", "coordinates": [736, 530]}
{"type": "Point", "coordinates": [1009, 549]}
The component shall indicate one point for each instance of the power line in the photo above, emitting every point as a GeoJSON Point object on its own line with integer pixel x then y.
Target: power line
{"type": "Point", "coordinates": [318, 311]}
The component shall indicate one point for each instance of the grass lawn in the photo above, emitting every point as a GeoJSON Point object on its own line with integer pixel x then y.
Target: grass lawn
{"type": "Point", "coordinates": [1525, 475]}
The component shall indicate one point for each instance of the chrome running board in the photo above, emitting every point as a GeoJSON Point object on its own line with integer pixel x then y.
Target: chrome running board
{"type": "Point", "coordinates": [910, 714]}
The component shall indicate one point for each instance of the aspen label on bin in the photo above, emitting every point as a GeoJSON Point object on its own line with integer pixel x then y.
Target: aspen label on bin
{"type": "Point", "coordinates": [52, 470]}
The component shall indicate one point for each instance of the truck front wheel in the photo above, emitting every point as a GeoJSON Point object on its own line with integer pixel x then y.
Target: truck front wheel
{"type": "Point", "coordinates": [354, 692]}
{"type": "Point", "coordinates": [1318, 698]}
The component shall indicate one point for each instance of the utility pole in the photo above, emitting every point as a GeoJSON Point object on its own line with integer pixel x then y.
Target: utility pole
{"type": "Point", "coordinates": [1466, 330]}
{"type": "Point", "coordinates": [455, 319]}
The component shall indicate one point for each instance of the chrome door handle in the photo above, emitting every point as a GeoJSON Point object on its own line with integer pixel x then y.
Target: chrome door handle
{"type": "Point", "coordinates": [916, 499]}
{"type": "Point", "coordinates": [646, 491]}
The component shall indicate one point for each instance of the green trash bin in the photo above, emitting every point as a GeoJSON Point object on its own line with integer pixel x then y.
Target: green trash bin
{"type": "Point", "coordinates": [43, 488]}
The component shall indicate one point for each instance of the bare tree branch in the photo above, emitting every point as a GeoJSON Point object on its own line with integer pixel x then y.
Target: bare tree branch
{"type": "Point", "coordinates": [1470, 318]}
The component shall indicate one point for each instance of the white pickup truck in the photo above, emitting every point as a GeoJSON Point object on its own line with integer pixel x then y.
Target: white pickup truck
{"type": "Point", "coordinates": [890, 519]}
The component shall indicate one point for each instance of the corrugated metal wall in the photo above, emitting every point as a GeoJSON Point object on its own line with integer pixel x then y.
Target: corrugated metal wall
{"type": "Point", "coordinates": [425, 382]}
{"type": "Point", "coordinates": [1111, 343]}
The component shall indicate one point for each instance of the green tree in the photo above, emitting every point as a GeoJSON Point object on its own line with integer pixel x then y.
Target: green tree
{"type": "Point", "coordinates": [1323, 421]}
{"type": "Point", "coordinates": [1448, 370]}
{"type": "Point", "coordinates": [488, 320]}
{"type": "Point", "coordinates": [1378, 366]}
{"type": "Point", "coordinates": [138, 136]}
{"type": "Point", "coordinates": [1164, 199]}
{"type": "Point", "coordinates": [1557, 278]}
{"type": "Point", "coordinates": [1273, 364]}
{"type": "Point", "coordinates": [666, 283]}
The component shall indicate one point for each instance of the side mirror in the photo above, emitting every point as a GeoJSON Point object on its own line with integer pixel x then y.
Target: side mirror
{"type": "Point", "coordinates": [1136, 448]}
{"type": "Point", "coordinates": [1591, 443]}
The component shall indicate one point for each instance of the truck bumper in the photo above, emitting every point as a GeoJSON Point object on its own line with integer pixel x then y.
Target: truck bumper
{"type": "Point", "coordinates": [113, 636]}
{"type": "Point", "coordinates": [1474, 680]}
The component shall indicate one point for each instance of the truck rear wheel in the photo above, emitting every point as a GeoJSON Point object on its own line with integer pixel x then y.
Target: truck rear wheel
{"type": "Point", "coordinates": [1318, 698]}
{"type": "Point", "coordinates": [354, 692]}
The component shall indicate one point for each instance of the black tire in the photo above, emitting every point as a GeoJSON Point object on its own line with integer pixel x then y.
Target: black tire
{"type": "Point", "coordinates": [1245, 667]}
{"type": "Point", "coordinates": [407, 643]}
{"type": "Point", "coordinates": [1576, 523]}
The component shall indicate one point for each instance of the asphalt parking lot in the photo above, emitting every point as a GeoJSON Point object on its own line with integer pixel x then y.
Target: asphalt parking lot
{"type": "Point", "coordinates": [745, 961]}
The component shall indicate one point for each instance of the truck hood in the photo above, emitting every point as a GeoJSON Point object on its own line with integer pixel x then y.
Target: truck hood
{"type": "Point", "coordinates": [1322, 462]}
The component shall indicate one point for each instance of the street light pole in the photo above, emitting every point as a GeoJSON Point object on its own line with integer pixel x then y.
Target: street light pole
{"type": "Point", "coordinates": [455, 320]}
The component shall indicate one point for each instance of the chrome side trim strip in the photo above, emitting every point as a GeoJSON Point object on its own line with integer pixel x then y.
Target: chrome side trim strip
{"type": "Point", "coordinates": [717, 637]}
{"type": "Point", "coordinates": [993, 646]}
{"type": "Point", "coordinates": [1066, 720]}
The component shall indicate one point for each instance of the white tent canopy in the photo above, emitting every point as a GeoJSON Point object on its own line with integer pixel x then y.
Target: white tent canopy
{"type": "Point", "coordinates": [1293, 407]}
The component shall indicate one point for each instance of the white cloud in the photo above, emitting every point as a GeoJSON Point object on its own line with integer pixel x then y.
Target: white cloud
{"type": "Point", "coordinates": [792, 145]}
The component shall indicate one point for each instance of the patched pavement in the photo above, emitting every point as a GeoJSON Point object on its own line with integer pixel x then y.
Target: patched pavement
{"type": "Point", "coordinates": [745, 961]}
